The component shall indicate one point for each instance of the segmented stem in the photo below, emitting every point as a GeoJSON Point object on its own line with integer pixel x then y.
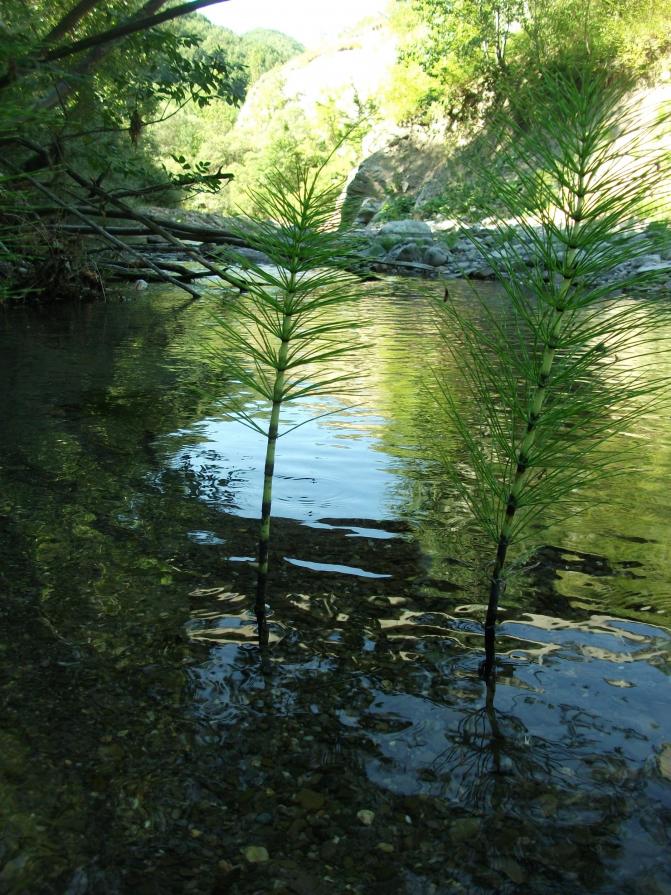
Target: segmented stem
{"type": "Point", "coordinates": [534, 415]}
{"type": "Point", "coordinates": [268, 473]}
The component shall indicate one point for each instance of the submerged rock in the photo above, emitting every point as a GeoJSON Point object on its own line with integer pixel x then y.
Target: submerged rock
{"type": "Point", "coordinates": [407, 228]}
{"type": "Point", "coordinates": [650, 266]}
{"type": "Point", "coordinates": [464, 828]}
{"type": "Point", "coordinates": [256, 854]}
{"type": "Point", "coordinates": [435, 256]}
{"type": "Point", "coordinates": [310, 799]}
{"type": "Point", "coordinates": [408, 251]}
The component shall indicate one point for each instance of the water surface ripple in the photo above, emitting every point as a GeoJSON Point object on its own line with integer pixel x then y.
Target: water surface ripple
{"type": "Point", "coordinates": [142, 750]}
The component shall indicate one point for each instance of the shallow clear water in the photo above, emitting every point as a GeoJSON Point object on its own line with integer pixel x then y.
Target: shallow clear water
{"type": "Point", "coordinates": [141, 749]}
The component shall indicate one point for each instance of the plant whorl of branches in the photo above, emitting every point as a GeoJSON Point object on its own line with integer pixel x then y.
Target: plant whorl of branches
{"type": "Point", "coordinates": [284, 334]}
{"type": "Point", "coordinates": [571, 362]}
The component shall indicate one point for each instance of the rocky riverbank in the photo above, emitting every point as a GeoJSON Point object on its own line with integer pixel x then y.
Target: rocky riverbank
{"type": "Point", "coordinates": [436, 249]}
{"type": "Point", "coordinates": [446, 249]}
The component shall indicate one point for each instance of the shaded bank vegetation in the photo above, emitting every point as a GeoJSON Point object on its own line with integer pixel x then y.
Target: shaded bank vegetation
{"type": "Point", "coordinates": [82, 87]}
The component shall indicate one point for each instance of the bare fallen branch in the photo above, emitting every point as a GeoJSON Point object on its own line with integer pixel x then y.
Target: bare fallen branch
{"type": "Point", "coordinates": [108, 236]}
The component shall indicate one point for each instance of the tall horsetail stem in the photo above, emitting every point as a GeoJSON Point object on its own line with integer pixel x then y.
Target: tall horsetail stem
{"type": "Point", "coordinates": [591, 171]}
{"type": "Point", "coordinates": [282, 337]}
{"type": "Point", "coordinates": [266, 505]}
{"type": "Point", "coordinates": [534, 415]}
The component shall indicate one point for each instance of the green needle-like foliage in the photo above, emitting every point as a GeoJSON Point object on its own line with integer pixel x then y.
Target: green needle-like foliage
{"type": "Point", "coordinates": [570, 361]}
{"type": "Point", "coordinates": [287, 331]}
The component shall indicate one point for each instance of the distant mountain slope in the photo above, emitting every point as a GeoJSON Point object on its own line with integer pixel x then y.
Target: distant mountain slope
{"type": "Point", "coordinates": [354, 70]}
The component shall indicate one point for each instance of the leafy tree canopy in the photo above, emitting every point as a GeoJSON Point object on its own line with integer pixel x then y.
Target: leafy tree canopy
{"type": "Point", "coordinates": [471, 46]}
{"type": "Point", "coordinates": [82, 81]}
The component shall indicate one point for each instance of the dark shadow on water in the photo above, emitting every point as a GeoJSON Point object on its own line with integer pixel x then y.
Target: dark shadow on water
{"type": "Point", "coordinates": [142, 751]}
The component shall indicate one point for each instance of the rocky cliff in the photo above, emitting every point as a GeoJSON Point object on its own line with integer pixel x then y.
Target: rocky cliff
{"type": "Point", "coordinates": [401, 168]}
{"type": "Point", "coordinates": [349, 79]}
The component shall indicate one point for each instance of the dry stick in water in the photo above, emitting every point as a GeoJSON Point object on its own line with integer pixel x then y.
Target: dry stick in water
{"type": "Point", "coordinates": [158, 229]}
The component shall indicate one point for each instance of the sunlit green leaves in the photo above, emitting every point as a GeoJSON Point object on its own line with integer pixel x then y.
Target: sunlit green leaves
{"type": "Point", "coordinates": [504, 45]}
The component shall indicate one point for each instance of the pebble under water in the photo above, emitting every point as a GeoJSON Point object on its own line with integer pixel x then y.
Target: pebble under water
{"type": "Point", "coordinates": [142, 751]}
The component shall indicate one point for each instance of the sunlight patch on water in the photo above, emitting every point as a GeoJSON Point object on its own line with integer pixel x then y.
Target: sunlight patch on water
{"type": "Point", "coordinates": [334, 567]}
{"type": "Point", "coordinates": [355, 531]}
{"type": "Point", "coordinates": [205, 537]}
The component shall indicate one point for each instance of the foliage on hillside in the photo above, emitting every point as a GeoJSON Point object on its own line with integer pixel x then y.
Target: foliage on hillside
{"type": "Point", "coordinates": [474, 67]}
{"type": "Point", "coordinates": [82, 85]}
{"type": "Point", "coordinates": [278, 126]}
{"type": "Point", "coordinates": [498, 47]}
{"type": "Point", "coordinates": [250, 56]}
{"type": "Point", "coordinates": [204, 132]}
{"type": "Point", "coordinates": [456, 60]}
{"type": "Point", "coordinates": [277, 134]}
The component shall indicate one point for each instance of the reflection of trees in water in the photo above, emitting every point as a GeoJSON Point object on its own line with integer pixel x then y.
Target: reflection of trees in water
{"type": "Point", "coordinates": [627, 530]}
{"type": "Point", "coordinates": [191, 737]}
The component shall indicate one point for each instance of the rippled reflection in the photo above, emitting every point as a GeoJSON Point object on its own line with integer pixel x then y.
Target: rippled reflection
{"type": "Point", "coordinates": [142, 750]}
{"type": "Point", "coordinates": [548, 777]}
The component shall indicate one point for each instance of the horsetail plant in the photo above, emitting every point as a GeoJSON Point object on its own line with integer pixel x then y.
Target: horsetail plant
{"type": "Point", "coordinates": [570, 361]}
{"type": "Point", "coordinates": [284, 332]}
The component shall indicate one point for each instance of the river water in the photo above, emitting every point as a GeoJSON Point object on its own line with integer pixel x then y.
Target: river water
{"type": "Point", "coordinates": [142, 750]}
